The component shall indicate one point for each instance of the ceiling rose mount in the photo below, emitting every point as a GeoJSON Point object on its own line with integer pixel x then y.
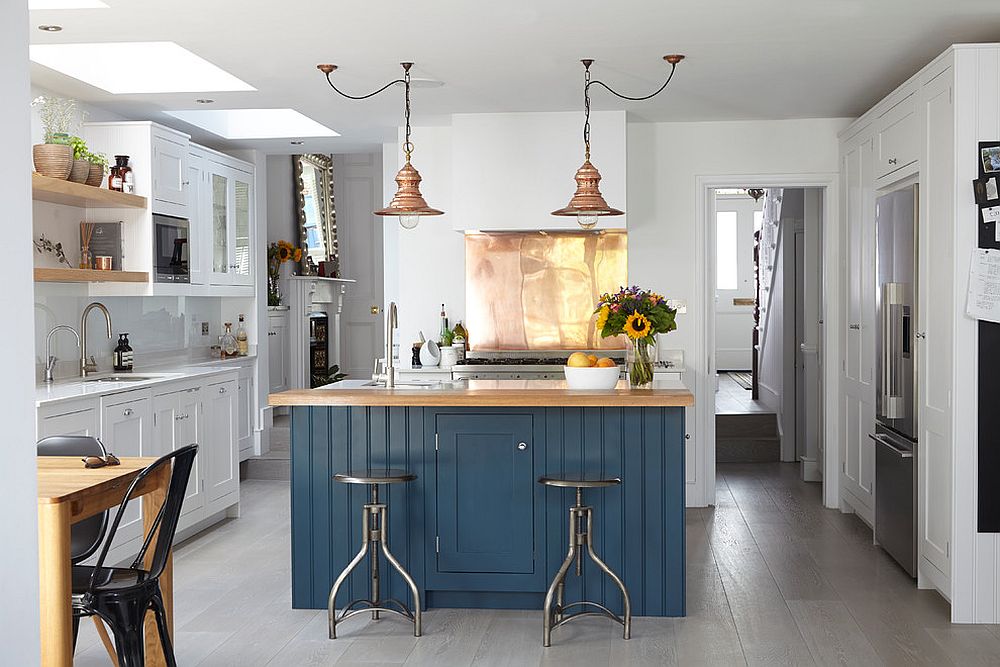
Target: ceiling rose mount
{"type": "Point", "coordinates": [587, 203]}
{"type": "Point", "coordinates": [408, 204]}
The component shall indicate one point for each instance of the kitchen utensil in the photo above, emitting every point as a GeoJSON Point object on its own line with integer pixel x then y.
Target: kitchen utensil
{"type": "Point", "coordinates": [594, 377]}
{"type": "Point", "coordinates": [449, 355]}
{"type": "Point", "coordinates": [430, 354]}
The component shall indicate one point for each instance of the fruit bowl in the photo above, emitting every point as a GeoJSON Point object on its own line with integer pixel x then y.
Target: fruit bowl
{"type": "Point", "coordinates": [592, 377]}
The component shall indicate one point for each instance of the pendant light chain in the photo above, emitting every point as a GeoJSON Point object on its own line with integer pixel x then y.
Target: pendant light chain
{"type": "Point", "coordinates": [673, 67]}
{"type": "Point", "coordinates": [586, 108]}
{"type": "Point", "coordinates": [407, 145]}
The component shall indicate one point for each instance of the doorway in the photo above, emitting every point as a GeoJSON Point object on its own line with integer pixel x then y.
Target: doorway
{"type": "Point", "coordinates": [764, 274]}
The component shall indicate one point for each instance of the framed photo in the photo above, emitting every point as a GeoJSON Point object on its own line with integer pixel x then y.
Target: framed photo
{"type": "Point", "coordinates": [987, 190]}
{"type": "Point", "coordinates": [990, 157]}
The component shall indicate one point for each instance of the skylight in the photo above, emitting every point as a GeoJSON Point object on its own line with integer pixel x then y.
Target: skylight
{"type": "Point", "coordinates": [139, 67]}
{"type": "Point", "coordinates": [66, 4]}
{"type": "Point", "coordinates": [254, 123]}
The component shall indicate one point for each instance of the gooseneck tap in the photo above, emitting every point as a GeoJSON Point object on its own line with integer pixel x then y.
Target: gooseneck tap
{"type": "Point", "coordinates": [50, 360]}
{"type": "Point", "coordinates": [88, 365]}
{"type": "Point", "coordinates": [391, 322]}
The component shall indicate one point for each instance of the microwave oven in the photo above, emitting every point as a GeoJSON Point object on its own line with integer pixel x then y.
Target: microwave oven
{"type": "Point", "coordinates": [170, 249]}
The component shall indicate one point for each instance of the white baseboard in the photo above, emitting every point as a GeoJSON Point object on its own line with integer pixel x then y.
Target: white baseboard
{"type": "Point", "coordinates": [810, 469]}
{"type": "Point", "coordinates": [931, 578]}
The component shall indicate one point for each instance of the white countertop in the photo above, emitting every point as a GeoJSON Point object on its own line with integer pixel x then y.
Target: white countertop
{"type": "Point", "coordinates": [74, 388]}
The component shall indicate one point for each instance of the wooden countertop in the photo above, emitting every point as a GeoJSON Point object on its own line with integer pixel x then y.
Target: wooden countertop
{"type": "Point", "coordinates": [484, 393]}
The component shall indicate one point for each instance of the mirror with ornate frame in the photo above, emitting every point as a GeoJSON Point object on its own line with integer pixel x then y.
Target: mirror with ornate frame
{"type": "Point", "coordinates": [317, 217]}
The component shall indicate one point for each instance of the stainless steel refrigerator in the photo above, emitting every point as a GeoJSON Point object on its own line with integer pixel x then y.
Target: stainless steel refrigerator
{"type": "Point", "coordinates": [895, 433]}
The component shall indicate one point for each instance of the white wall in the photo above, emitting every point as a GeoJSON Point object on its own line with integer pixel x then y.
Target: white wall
{"type": "Point", "coordinates": [425, 267]}
{"type": "Point", "coordinates": [666, 253]}
{"type": "Point", "coordinates": [19, 634]}
{"type": "Point", "coordinates": [281, 222]}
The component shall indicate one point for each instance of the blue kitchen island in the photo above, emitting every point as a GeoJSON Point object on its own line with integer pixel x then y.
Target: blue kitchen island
{"type": "Point", "coordinates": [475, 529]}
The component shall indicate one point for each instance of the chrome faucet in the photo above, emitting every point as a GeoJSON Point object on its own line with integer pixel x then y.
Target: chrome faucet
{"type": "Point", "coordinates": [391, 322]}
{"type": "Point", "coordinates": [50, 360]}
{"type": "Point", "coordinates": [89, 365]}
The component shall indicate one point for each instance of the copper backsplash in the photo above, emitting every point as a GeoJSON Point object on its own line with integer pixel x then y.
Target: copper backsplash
{"type": "Point", "coordinates": [537, 290]}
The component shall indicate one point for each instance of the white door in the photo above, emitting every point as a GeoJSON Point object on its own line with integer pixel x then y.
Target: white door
{"type": "Point", "coordinates": [736, 218]}
{"type": "Point", "coordinates": [277, 351]}
{"type": "Point", "coordinates": [245, 416]}
{"type": "Point", "coordinates": [221, 450]}
{"type": "Point", "coordinates": [199, 218]}
{"type": "Point", "coordinates": [177, 423]}
{"type": "Point", "coordinates": [83, 421]}
{"type": "Point", "coordinates": [357, 184]}
{"type": "Point", "coordinates": [127, 430]}
{"type": "Point", "coordinates": [170, 174]}
{"type": "Point", "coordinates": [935, 267]}
{"type": "Point", "coordinates": [858, 406]}
{"type": "Point", "coordinates": [241, 228]}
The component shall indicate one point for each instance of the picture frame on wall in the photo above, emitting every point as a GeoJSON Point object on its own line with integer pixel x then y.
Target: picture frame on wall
{"type": "Point", "coordinates": [989, 155]}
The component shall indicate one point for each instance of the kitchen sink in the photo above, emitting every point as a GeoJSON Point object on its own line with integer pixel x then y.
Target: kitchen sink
{"type": "Point", "coordinates": [122, 378]}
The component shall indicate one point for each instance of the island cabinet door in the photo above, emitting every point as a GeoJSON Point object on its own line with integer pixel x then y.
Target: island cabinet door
{"type": "Point", "coordinates": [485, 493]}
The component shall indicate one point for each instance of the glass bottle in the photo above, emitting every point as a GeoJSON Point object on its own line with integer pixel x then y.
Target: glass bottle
{"type": "Point", "coordinates": [242, 343]}
{"type": "Point", "coordinates": [119, 354]}
{"type": "Point", "coordinates": [444, 323]}
{"type": "Point", "coordinates": [114, 180]}
{"type": "Point", "coordinates": [126, 175]}
{"type": "Point", "coordinates": [128, 357]}
{"type": "Point", "coordinates": [227, 342]}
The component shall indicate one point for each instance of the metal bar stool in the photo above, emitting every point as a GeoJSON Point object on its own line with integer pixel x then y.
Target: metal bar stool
{"type": "Point", "coordinates": [374, 533]}
{"type": "Point", "coordinates": [581, 533]}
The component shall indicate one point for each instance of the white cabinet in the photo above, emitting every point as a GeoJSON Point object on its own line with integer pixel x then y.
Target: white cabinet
{"type": "Point", "coordinates": [245, 414]}
{"type": "Point", "coordinates": [177, 422]}
{"type": "Point", "coordinates": [198, 216]}
{"type": "Point", "coordinates": [898, 140]}
{"type": "Point", "coordinates": [935, 332]}
{"type": "Point", "coordinates": [227, 235]}
{"type": "Point", "coordinates": [278, 350]}
{"type": "Point", "coordinates": [75, 418]}
{"type": "Point", "coordinates": [170, 173]}
{"type": "Point", "coordinates": [858, 337]}
{"type": "Point", "coordinates": [222, 457]}
{"type": "Point", "coordinates": [127, 430]}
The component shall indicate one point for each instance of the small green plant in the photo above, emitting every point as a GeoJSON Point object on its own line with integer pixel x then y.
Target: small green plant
{"type": "Point", "coordinates": [97, 158]}
{"type": "Point", "coordinates": [332, 375]}
{"type": "Point", "coordinates": [80, 151]}
{"type": "Point", "coordinates": [447, 337]}
{"type": "Point", "coordinates": [58, 115]}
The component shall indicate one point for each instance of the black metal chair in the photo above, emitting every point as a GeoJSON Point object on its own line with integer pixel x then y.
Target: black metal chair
{"type": "Point", "coordinates": [86, 536]}
{"type": "Point", "coordinates": [122, 596]}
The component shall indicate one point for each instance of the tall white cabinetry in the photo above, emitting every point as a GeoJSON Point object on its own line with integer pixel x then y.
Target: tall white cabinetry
{"type": "Point", "coordinates": [224, 223]}
{"type": "Point", "coordinates": [926, 132]}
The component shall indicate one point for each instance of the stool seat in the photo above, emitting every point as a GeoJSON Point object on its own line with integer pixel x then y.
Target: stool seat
{"type": "Point", "coordinates": [375, 476]}
{"type": "Point", "coordinates": [579, 481]}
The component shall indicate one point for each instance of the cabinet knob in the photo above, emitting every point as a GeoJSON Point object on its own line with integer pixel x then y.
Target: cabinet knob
{"type": "Point", "coordinates": [892, 160]}
{"type": "Point", "coordinates": [522, 446]}
{"type": "Point", "coordinates": [921, 335]}
{"type": "Point", "coordinates": [222, 390]}
{"type": "Point", "coordinates": [855, 327]}
{"type": "Point", "coordinates": [127, 412]}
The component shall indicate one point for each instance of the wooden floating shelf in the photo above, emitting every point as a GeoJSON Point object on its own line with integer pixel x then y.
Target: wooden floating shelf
{"type": "Point", "coordinates": [68, 193]}
{"type": "Point", "coordinates": [89, 276]}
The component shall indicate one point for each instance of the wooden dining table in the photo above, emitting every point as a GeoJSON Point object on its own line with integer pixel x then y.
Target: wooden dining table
{"type": "Point", "coordinates": [68, 492]}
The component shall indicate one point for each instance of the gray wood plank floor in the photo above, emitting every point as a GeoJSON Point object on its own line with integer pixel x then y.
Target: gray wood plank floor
{"type": "Point", "coordinates": [773, 579]}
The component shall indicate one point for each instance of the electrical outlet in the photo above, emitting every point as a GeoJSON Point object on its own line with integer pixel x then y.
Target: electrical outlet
{"type": "Point", "coordinates": [204, 328]}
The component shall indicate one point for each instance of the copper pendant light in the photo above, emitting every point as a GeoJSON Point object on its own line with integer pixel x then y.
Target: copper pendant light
{"type": "Point", "coordinates": [408, 204]}
{"type": "Point", "coordinates": [756, 193]}
{"type": "Point", "coordinates": [587, 203]}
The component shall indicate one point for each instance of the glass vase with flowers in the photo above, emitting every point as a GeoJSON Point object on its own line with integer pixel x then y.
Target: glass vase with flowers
{"type": "Point", "coordinates": [277, 254]}
{"type": "Point", "coordinates": [640, 315]}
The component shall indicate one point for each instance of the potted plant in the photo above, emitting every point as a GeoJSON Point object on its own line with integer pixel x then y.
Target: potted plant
{"type": "Point", "coordinates": [81, 165]}
{"type": "Point", "coordinates": [54, 158]}
{"type": "Point", "coordinates": [98, 168]}
{"type": "Point", "coordinates": [640, 315]}
{"type": "Point", "coordinates": [277, 254]}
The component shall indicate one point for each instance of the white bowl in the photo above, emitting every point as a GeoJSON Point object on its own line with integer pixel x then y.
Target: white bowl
{"type": "Point", "coordinates": [430, 354]}
{"type": "Point", "coordinates": [592, 377]}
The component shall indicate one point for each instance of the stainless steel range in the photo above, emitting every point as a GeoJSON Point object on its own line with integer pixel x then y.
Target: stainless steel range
{"type": "Point", "coordinates": [511, 366]}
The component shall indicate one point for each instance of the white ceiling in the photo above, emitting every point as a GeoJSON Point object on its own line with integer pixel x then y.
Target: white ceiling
{"type": "Point", "coordinates": [760, 59]}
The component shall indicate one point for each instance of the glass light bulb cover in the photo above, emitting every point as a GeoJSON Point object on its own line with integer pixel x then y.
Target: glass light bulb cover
{"type": "Point", "coordinates": [587, 220]}
{"type": "Point", "coordinates": [408, 221]}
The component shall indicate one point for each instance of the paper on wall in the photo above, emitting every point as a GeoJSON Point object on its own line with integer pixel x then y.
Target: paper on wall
{"type": "Point", "coordinates": [984, 285]}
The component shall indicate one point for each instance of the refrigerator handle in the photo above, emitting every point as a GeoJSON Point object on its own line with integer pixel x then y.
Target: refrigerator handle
{"type": "Point", "coordinates": [892, 325]}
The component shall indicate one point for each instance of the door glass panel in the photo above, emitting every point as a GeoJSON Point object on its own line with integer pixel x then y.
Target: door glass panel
{"type": "Point", "coordinates": [242, 242]}
{"type": "Point", "coordinates": [220, 240]}
{"type": "Point", "coordinates": [727, 258]}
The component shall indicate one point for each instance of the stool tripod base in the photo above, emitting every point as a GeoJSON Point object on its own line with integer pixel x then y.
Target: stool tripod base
{"type": "Point", "coordinates": [581, 531]}
{"type": "Point", "coordinates": [374, 531]}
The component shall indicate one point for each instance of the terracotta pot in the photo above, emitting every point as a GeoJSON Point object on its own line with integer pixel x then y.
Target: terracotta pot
{"type": "Point", "coordinates": [53, 160]}
{"type": "Point", "coordinates": [96, 175]}
{"type": "Point", "coordinates": [80, 171]}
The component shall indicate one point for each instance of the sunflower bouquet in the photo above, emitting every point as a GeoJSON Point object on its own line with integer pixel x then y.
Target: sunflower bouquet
{"type": "Point", "coordinates": [640, 315]}
{"type": "Point", "coordinates": [277, 254]}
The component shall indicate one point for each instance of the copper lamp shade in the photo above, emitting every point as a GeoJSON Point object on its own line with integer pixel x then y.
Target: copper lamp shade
{"type": "Point", "coordinates": [408, 200]}
{"type": "Point", "coordinates": [587, 200]}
